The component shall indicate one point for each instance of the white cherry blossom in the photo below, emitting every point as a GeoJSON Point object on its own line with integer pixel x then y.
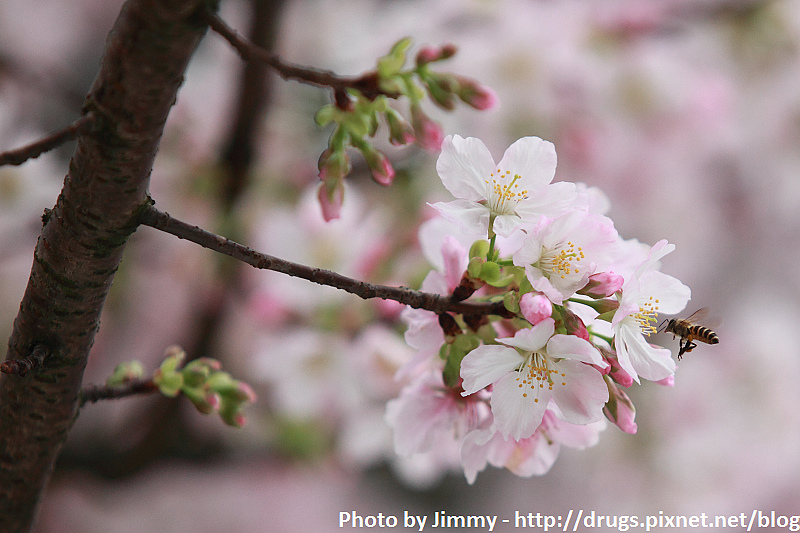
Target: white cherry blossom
{"type": "Point", "coordinates": [494, 198]}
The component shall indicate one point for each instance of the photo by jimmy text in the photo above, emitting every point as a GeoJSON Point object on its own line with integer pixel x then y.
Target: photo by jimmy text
{"type": "Point", "coordinates": [572, 521]}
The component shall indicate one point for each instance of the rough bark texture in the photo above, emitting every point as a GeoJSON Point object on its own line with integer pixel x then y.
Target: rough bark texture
{"type": "Point", "coordinates": [83, 239]}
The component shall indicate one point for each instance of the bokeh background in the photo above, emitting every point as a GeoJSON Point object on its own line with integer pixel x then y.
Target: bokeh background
{"type": "Point", "coordinates": [686, 113]}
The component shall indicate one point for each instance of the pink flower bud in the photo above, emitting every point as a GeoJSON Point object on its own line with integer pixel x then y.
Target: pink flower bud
{"type": "Point", "coordinates": [617, 373]}
{"type": "Point", "coordinates": [620, 410]}
{"type": "Point", "coordinates": [400, 131]}
{"type": "Point", "coordinates": [382, 171]}
{"type": "Point", "coordinates": [333, 165]}
{"type": "Point", "coordinates": [331, 199]}
{"type": "Point", "coordinates": [476, 95]}
{"type": "Point", "coordinates": [246, 392]}
{"type": "Point", "coordinates": [239, 420]}
{"type": "Point", "coordinates": [535, 307]}
{"type": "Point", "coordinates": [429, 134]}
{"type": "Point", "coordinates": [602, 284]}
{"type": "Point", "coordinates": [575, 325]}
{"type": "Point", "coordinates": [213, 401]}
{"type": "Point", "coordinates": [429, 54]}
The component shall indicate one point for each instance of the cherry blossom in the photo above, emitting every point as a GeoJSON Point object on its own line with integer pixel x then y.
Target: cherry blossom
{"type": "Point", "coordinates": [529, 369]}
{"type": "Point", "coordinates": [560, 254]}
{"type": "Point", "coordinates": [646, 294]}
{"type": "Point", "coordinates": [496, 198]}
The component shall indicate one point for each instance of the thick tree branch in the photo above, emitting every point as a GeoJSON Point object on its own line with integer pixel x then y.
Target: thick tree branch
{"type": "Point", "coordinates": [419, 300]}
{"type": "Point", "coordinates": [49, 142]}
{"type": "Point", "coordinates": [83, 239]}
{"type": "Point", "coordinates": [366, 83]}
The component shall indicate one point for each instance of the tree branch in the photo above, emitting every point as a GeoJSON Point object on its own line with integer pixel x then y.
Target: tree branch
{"type": "Point", "coordinates": [366, 83]}
{"type": "Point", "coordinates": [95, 393]}
{"type": "Point", "coordinates": [419, 300]}
{"type": "Point", "coordinates": [83, 239]}
{"type": "Point", "coordinates": [51, 141]}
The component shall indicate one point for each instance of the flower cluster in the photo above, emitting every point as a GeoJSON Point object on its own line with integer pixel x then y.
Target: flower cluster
{"type": "Point", "coordinates": [581, 302]}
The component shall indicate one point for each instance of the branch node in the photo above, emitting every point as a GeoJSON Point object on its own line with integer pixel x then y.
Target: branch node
{"type": "Point", "coordinates": [49, 142]}
{"type": "Point", "coordinates": [22, 366]}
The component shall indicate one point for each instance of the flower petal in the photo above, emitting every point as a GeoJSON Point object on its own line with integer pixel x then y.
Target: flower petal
{"type": "Point", "coordinates": [464, 166]}
{"type": "Point", "coordinates": [470, 216]}
{"type": "Point", "coordinates": [576, 348]}
{"type": "Point", "coordinates": [532, 339]}
{"type": "Point", "coordinates": [534, 159]}
{"type": "Point", "coordinates": [582, 399]}
{"type": "Point", "coordinates": [486, 364]}
{"type": "Point", "coordinates": [515, 415]}
{"type": "Point", "coordinates": [550, 200]}
{"type": "Point", "coordinates": [672, 294]}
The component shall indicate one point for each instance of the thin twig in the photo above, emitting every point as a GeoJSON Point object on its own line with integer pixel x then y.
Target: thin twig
{"type": "Point", "coordinates": [417, 299]}
{"type": "Point", "coordinates": [22, 366]}
{"type": "Point", "coordinates": [366, 83]}
{"type": "Point", "coordinates": [95, 393]}
{"type": "Point", "coordinates": [47, 143]}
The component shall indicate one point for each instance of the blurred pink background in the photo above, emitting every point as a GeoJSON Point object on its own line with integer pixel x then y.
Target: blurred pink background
{"type": "Point", "coordinates": [686, 113]}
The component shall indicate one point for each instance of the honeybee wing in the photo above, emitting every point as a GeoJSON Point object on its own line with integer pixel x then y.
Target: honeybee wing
{"type": "Point", "coordinates": [701, 318]}
{"type": "Point", "coordinates": [698, 317]}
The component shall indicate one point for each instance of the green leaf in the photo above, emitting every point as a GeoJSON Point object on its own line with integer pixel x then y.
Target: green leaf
{"type": "Point", "coordinates": [490, 272]}
{"type": "Point", "coordinates": [462, 345]}
{"type": "Point", "coordinates": [479, 249]}
{"type": "Point", "coordinates": [390, 64]}
{"type": "Point", "coordinates": [511, 301]}
{"type": "Point", "coordinates": [325, 115]}
{"type": "Point", "coordinates": [474, 267]}
{"type": "Point", "coordinates": [125, 372]}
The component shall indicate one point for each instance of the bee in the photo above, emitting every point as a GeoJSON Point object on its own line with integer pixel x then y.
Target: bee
{"type": "Point", "coordinates": [689, 331]}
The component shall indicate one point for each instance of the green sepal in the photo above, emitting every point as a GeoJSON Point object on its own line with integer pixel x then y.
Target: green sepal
{"type": "Point", "coordinates": [169, 383]}
{"type": "Point", "coordinates": [172, 361]}
{"type": "Point", "coordinates": [607, 316]}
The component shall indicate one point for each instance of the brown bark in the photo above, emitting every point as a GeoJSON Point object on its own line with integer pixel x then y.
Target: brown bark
{"type": "Point", "coordinates": [83, 239]}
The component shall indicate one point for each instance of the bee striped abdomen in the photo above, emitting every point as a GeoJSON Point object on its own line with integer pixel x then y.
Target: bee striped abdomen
{"type": "Point", "coordinates": [703, 334]}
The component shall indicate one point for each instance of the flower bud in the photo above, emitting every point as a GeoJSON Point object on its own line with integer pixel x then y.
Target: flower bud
{"type": "Point", "coordinates": [429, 54]}
{"type": "Point", "coordinates": [476, 95]}
{"type": "Point", "coordinates": [382, 171]}
{"type": "Point", "coordinates": [574, 325]}
{"type": "Point", "coordinates": [400, 131]}
{"type": "Point", "coordinates": [602, 284]}
{"type": "Point", "coordinates": [535, 307]}
{"type": "Point", "coordinates": [441, 88]}
{"type": "Point", "coordinates": [333, 165]}
{"type": "Point", "coordinates": [331, 200]}
{"type": "Point", "coordinates": [619, 409]}
{"type": "Point", "coordinates": [429, 134]}
{"type": "Point", "coordinates": [124, 373]}
{"type": "Point", "coordinates": [617, 373]}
